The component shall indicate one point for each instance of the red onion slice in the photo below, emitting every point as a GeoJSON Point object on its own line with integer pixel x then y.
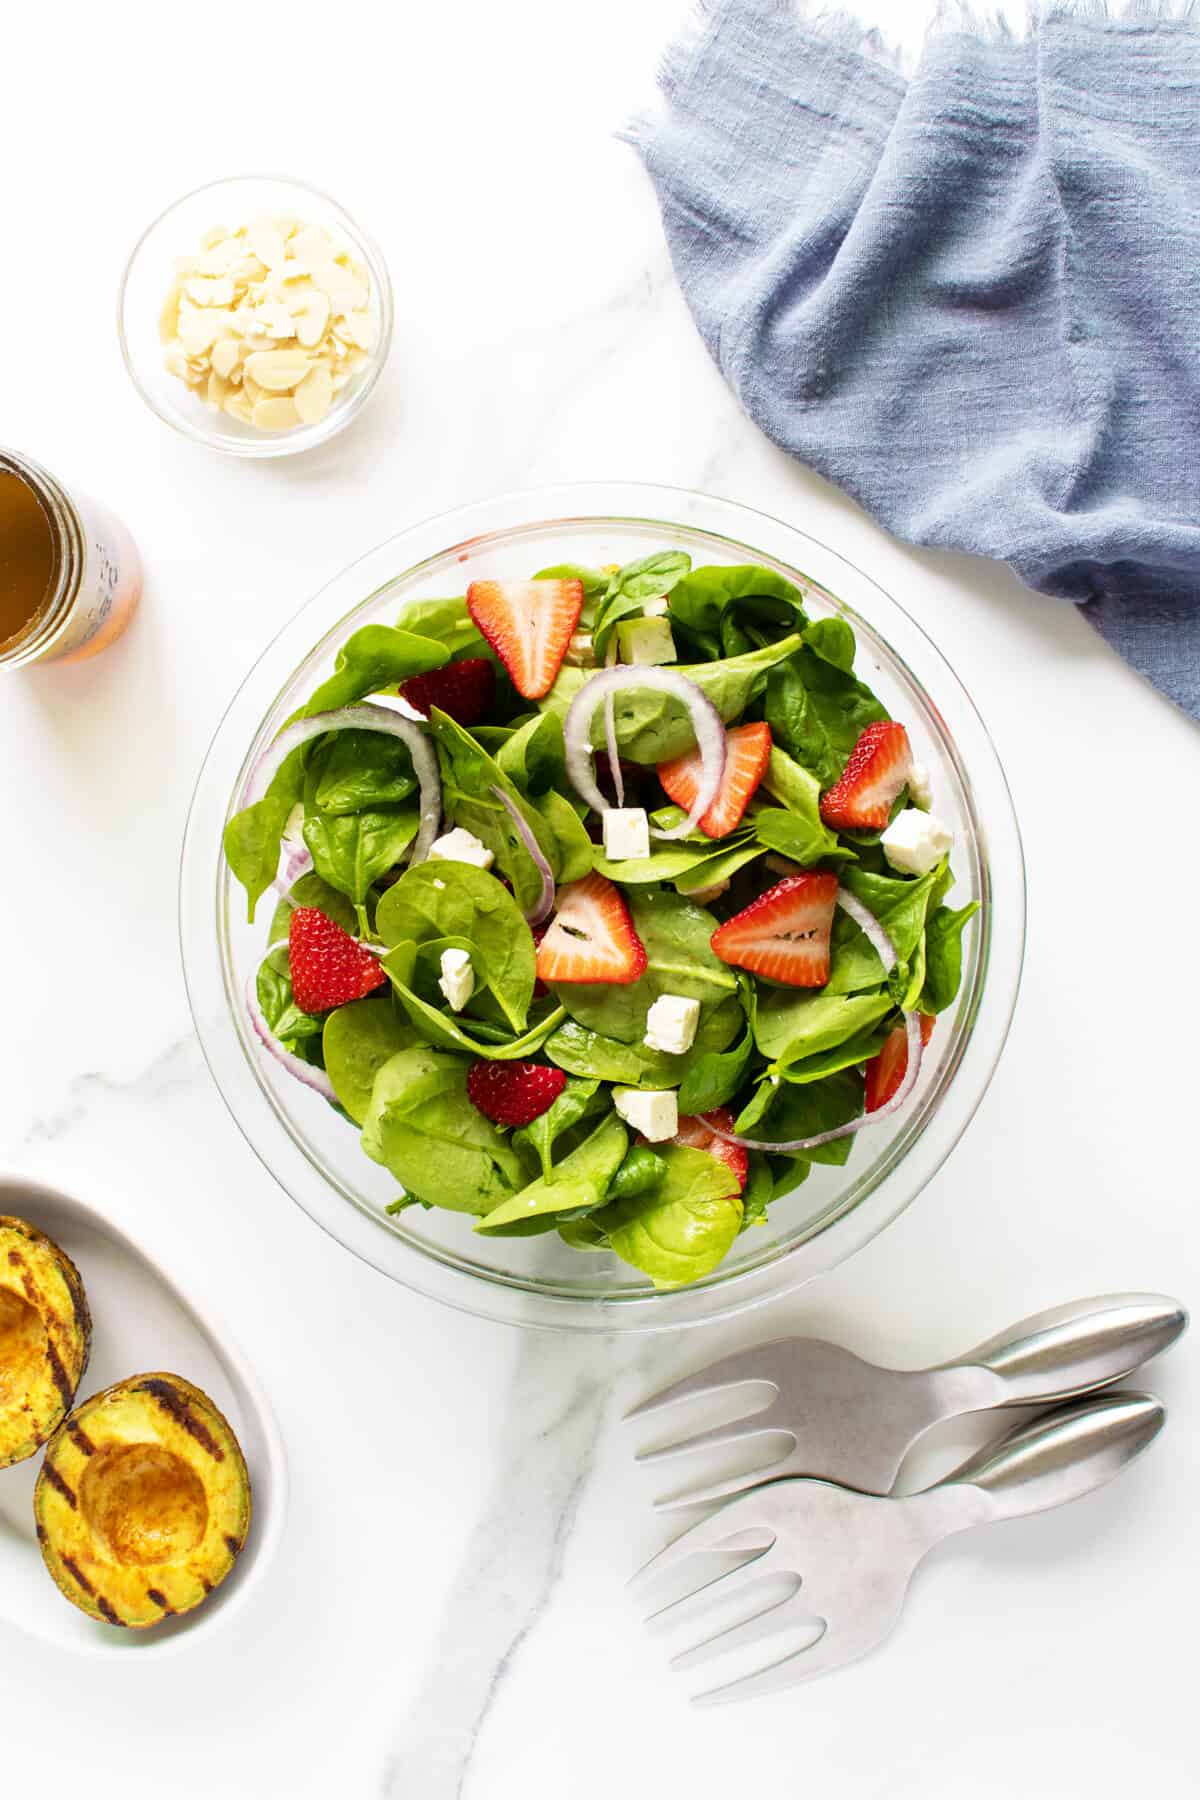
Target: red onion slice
{"type": "Point", "coordinates": [869, 925]}
{"type": "Point", "coordinates": [313, 1078]}
{"type": "Point", "coordinates": [706, 723]}
{"type": "Point", "coordinates": [365, 717]}
{"type": "Point", "coordinates": [544, 904]}
{"type": "Point", "coordinates": [610, 729]}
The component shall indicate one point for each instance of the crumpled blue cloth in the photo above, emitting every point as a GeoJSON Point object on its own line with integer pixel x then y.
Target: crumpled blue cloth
{"type": "Point", "coordinates": [970, 298]}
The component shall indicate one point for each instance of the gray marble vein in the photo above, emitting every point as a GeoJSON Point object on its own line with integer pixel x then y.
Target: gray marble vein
{"type": "Point", "coordinates": [175, 1067]}
{"type": "Point", "coordinates": [513, 1563]}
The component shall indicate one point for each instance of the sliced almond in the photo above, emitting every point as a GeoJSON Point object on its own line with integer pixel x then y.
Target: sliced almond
{"type": "Point", "coordinates": [252, 390]}
{"type": "Point", "coordinates": [278, 370]}
{"type": "Point", "coordinates": [266, 241]}
{"type": "Point", "coordinates": [238, 407]}
{"type": "Point", "coordinates": [226, 355]}
{"type": "Point", "coordinates": [217, 234]}
{"type": "Point", "coordinates": [248, 271]}
{"type": "Point", "coordinates": [311, 316]}
{"type": "Point", "coordinates": [278, 413]}
{"type": "Point", "coordinates": [168, 318]}
{"type": "Point", "coordinates": [311, 241]}
{"type": "Point", "coordinates": [314, 396]}
{"type": "Point", "coordinates": [273, 319]}
{"type": "Point", "coordinates": [198, 334]}
{"type": "Point", "coordinates": [217, 391]}
{"type": "Point", "coordinates": [209, 290]}
{"type": "Point", "coordinates": [359, 327]}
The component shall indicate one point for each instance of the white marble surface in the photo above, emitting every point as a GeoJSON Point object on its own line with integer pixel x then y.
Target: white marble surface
{"type": "Point", "coordinates": [447, 1616]}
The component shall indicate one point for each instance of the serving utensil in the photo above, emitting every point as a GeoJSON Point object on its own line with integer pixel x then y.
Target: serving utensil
{"type": "Point", "coordinates": [852, 1555]}
{"type": "Point", "coordinates": [853, 1421]}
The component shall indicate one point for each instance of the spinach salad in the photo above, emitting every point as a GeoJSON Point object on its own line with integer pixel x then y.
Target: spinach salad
{"type": "Point", "coordinates": [606, 903]}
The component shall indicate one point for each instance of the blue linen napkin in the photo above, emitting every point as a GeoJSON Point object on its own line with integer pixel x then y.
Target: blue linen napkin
{"type": "Point", "coordinates": [971, 298]}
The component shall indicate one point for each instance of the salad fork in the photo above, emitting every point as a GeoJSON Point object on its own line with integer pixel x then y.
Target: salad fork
{"type": "Point", "coordinates": [852, 1555]}
{"type": "Point", "coordinates": [854, 1422]}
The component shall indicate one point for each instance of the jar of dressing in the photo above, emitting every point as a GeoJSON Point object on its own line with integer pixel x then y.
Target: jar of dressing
{"type": "Point", "coordinates": [70, 574]}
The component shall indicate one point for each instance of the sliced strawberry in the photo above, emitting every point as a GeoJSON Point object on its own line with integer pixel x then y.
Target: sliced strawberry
{"type": "Point", "coordinates": [694, 1132]}
{"type": "Point", "coordinates": [591, 936]}
{"type": "Point", "coordinates": [529, 625]}
{"type": "Point", "coordinates": [784, 934]}
{"type": "Point", "coordinates": [747, 748]}
{"type": "Point", "coordinates": [886, 1070]}
{"type": "Point", "coordinates": [513, 1093]}
{"type": "Point", "coordinates": [876, 770]}
{"type": "Point", "coordinates": [465, 690]}
{"type": "Point", "coordinates": [328, 968]}
{"type": "Point", "coordinates": [540, 990]}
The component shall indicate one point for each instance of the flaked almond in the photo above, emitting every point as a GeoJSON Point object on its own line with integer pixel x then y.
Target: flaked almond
{"type": "Point", "coordinates": [209, 290]}
{"type": "Point", "coordinates": [266, 241]}
{"type": "Point", "coordinates": [278, 370]}
{"type": "Point", "coordinates": [277, 413]}
{"type": "Point", "coordinates": [226, 355]}
{"type": "Point", "coordinates": [314, 396]}
{"type": "Point", "coordinates": [311, 316]}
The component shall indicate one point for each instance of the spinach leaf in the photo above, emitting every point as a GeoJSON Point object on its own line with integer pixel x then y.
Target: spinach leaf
{"type": "Point", "coordinates": [577, 1100]}
{"type": "Point", "coordinates": [589, 1053]}
{"type": "Point", "coordinates": [682, 1228]}
{"type": "Point", "coordinates": [851, 1054]}
{"type": "Point", "coordinates": [653, 726]}
{"type": "Point", "coordinates": [352, 850]}
{"type": "Point", "coordinates": [721, 867]}
{"type": "Point", "coordinates": [900, 904]}
{"type": "Point", "coordinates": [818, 712]}
{"type": "Point", "coordinates": [791, 1025]}
{"type": "Point", "coordinates": [641, 1170]}
{"type": "Point", "coordinates": [443, 899]}
{"type": "Point", "coordinates": [800, 1112]}
{"type": "Point", "coordinates": [533, 755]}
{"type": "Point", "coordinates": [310, 890]}
{"type": "Point", "coordinates": [577, 1184]}
{"type": "Point", "coordinates": [715, 1077]}
{"type": "Point", "coordinates": [423, 1128]}
{"type": "Point", "coordinates": [357, 1040]}
{"type": "Point", "coordinates": [702, 599]}
{"type": "Point", "coordinates": [572, 852]}
{"type": "Point", "coordinates": [583, 1234]}
{"type": "Point", "coordinates": [787, 834]}
{"type": "Point", "coordinates": [364, 769]}
{"type": "Point", "coordinates": [446, 621]}
{"type": "Point", "coordinates": [679, 960]}
{"type": "Point", "coordinates": [252, 837]}
{"type": "Point", "coordinates": [274, 990]}
{"type": "Point", "coordinates": [833, 641]}
{"type": "Point", "coordinates": [468, 776]}
{"type": "Point", "coordinates": [759, 1191]}
{"type": "Point", "coordinates": [593, 581]}
{"type": "Point", "coordinates": [668, 863]}
{"type": "Point", "coordinates": [943, 956]}
{"type": "Point", "coordinates": [800, 794]}
{"type": "Point", "coordinates": [373, 658]}
{"type": "Point", "coordinates": [632, 586]}
{"type": "Point", "coordinates": [442, 1028]}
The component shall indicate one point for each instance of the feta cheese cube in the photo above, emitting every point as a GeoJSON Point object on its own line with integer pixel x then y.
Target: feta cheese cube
{"type": "Point", "coordinates": [915, 841]}
{"type": "Point", "coordinates": [652, 1111]}
{"type": "Point", "coordinates": [671, 1024]}
{"type": "Point", "coordinates": [920, 790]}
{"type": "Point", "coordinates": [626, 833]}
{"type": "Point", "coordinates": [646, 641]}
{"type": "Point", "coordinates": [656, 608]}
{"type": "Point", "coordinates": [461, 846]}
{"type": "Point", "coordinates": [581, 651]}
{"type": "Point", "coordinates": [704, 895]}
{"type": "Point", "coordinates": [457, 979]}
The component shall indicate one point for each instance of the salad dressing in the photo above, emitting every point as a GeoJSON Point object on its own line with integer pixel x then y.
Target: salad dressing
{"type": "Point", "coordinates": [27, 556]}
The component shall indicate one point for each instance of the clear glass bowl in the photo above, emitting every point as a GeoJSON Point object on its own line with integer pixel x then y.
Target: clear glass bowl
{"type": "Point", "coordinates": [177, 232]}
{"type": "Point", "coordinates": [315, 1155]}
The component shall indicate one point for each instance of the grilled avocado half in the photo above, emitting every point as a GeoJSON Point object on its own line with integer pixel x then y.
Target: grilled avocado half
{"type": "Point", "coordinates": [45, 1336]}
{"type": "Point", "coordinates": [143, 1501]}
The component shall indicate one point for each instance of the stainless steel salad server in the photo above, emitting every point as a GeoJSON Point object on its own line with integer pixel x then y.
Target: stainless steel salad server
{"type": "Point", "coordinates": [854, 1422]}
{"type": "Point", "coordinates": [852, 1555]}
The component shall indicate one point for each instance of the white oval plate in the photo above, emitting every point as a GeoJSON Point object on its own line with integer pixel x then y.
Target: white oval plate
{"type": "Point", "coordinates": [141, 1321]}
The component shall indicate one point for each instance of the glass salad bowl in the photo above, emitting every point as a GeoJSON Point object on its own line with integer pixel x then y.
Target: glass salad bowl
{"type": "Point", "coordinates": [314, 1153]}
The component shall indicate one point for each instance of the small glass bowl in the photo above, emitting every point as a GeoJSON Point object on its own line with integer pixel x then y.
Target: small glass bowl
{"type": "Point", "coordinates": [314, 1153]}
{"type": "Point", "coordinates": [144, 286]}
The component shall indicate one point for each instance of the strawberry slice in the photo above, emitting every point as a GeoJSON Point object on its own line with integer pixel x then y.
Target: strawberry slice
{"type": "Point", "coordinates": [529, 625]}
{"type": "Point", "coordinates": [887, 1069]}
{"type": "Point", "coordinates": [591, 936]}
{"type": "Point", "coordinates": [876, 770]}
{"type": "Point", "coordinates": [694, 1132]}
{"type": "Point", "coordinates": [464, 690]}
{"type": "Point", "coordinates": [747, 748]}
{"type": "Point", "coordinates": [513, 1093]}
{"type": "Point", "coordinates": [784, 934]}
{"type": "Point", "coordinates": [328, 968]}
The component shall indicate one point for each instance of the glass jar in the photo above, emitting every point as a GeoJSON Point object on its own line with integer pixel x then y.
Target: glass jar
{"type": "Point", "coordinates": [93, 581]}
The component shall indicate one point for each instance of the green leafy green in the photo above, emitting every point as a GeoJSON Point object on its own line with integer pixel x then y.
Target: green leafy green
{"type": "Point", "coordinates": [943, 956]}
{"type": "Point", "coordinates": [818, 712]}
{"type": "Point", "coordinates": [352, 850]}
{"type": "Point", "coordinates": [577, 1100]}
{"type": "Point", "coordinates": [679, 960]}
{"type": "Point", "coordinates": [641, 1170]}
{"type": "Point", "coordinates": [357, 1040]}
{"type": "Point", "coordinates": [589, 1053]}
{"type": "Point", "coordinates": [532, 756]}
{"type": "Point", "coordinates": [715, 1077]}
{"type": "Point", "coordinates": [783, 1113]}
{"type": "Point", "coordinates": [577, 1184]}
{"type": "Point", "coordinates": [443, 899]}
{"type": "Point", "coordinates": [446, 621]}
{"type": "Point", "coordinates": [791, 1024]}
{"type": "Point", "coordinates": [422, 1127]}
{"type": "Point", "coordinates": [469, 776]}
{"type": "Point", "coordinates": [681, 1228]}
{"type": "Point", "coordinates": [833, 641]}
{"type": "Point", "coordinates": [277, 1002]}
{"type": "Point", "coordinates": [594, 582]}
{"type": "Point", "coordinates": [801, 833]}
{"type": "Point", "coordinates": [900, 904]}
{"type": "Point", "coordinates": [373, 658]}
{"type": "Point", "coordinates": [364, 769]}
{"type": "Point", "coordinates": [252, 837]}
{"type": "Point", "coordinates": [701, 601]}
{"type": "Point", "coordinates": [630, 588]}
{"type": "Point", "coordinates": [572, 851]}
{"type": "Point", "coordinates": [442, 1029]}
{"type": "Point", "coordinates": [310, 890]}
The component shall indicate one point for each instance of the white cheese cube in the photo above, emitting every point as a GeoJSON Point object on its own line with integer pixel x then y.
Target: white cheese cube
{"type": "Point", "coordinates": [461, 846]}
{"type": "Point", "coordinates": [657, 608]}
{"type": "Point", "coordinates": [626, 833]}
{"type": "Point", "coordinates": [920, 789]}
{"type": "Point", "coordinates": [671, 1024]}
{"type": "Point", "coordinates": [915, 841]}
{"type": "Point", "coordinates": [652, 1111]}
{"type": "Point", "coordinates": [581, 651]}
{"type": "Point", "coordinates": [646, 641]}
{"type": "Point", "coordinates": [457, 979]}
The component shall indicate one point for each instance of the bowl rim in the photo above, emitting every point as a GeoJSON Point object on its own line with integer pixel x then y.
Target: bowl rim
{"type": "Point", "coordinates": [918, 1152]}
{"type": "Point", "coordinates": [339, 416]}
